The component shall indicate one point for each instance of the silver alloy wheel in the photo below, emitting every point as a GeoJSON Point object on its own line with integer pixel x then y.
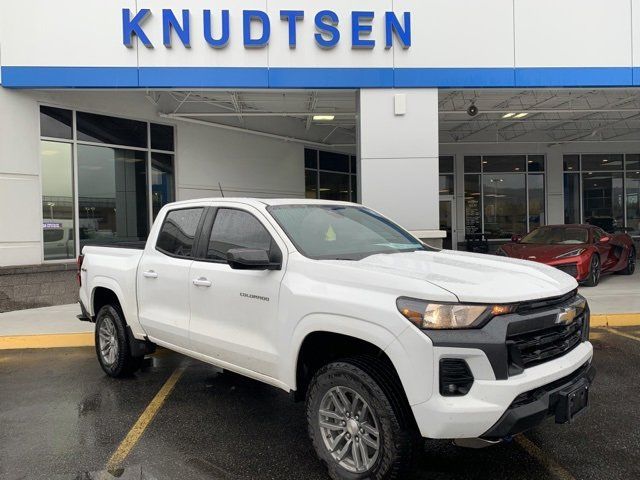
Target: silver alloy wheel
{"type": "Point", "coordinates": [108, 338]}
{"type": "Point", "coordinates": [349, 428]}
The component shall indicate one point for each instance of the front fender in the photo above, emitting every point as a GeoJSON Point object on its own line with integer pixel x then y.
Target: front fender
{"type": "Point", "coordinates": [321, 322]}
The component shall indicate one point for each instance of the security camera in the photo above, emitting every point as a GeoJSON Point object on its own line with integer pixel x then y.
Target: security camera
{"type": "Point", "coordinates": [472, 111]}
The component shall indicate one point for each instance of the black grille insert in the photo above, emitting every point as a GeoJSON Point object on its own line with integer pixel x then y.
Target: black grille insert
{"type": "Point", "coordinates": [539, 346]}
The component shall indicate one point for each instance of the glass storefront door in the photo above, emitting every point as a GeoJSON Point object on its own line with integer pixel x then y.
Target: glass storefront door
{"type": "Point", "coordinates": [448, 222]}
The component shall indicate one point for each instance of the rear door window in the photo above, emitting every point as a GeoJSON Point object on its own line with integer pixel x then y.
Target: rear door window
{"type": "Point", "coordinates": [236, 229]}
{"type": "Point", "coordinates": [178, 232]}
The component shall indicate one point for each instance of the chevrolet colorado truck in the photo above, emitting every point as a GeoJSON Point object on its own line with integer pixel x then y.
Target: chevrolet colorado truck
{"type": "Point", "coordinates": [386, 339]}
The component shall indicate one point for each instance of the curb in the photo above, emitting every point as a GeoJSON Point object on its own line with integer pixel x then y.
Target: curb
{"type": "Point", "coordinates": [616, 320]}
{"type": "Point", "coordinates": [56, 340]}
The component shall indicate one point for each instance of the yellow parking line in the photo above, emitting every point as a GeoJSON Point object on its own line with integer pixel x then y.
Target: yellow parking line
{"type": "Point", "coordinates": [615, 320]}
{"type": "Point", "coordinates": [144, 420]}
{"type": "Point", "coordinates": [623, 334]}
{"type": "Point", "coordinates": [556, 470]}
{"type": "Point", "coordinates": [57, 340]}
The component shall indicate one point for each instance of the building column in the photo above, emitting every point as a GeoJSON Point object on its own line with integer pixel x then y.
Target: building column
{"type": "Point", "coordinates": [555, 187]}
{"type": "Point", "coordinates": [398, 151]}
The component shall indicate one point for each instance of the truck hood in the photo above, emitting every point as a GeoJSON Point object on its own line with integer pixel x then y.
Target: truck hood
{"type": "Point", "coordinates": [475, 277]}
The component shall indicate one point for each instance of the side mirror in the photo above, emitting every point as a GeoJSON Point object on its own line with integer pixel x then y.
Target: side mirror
{"type": "Point", "coordinates": [250, 259]}
{"type": "Point", "coordinates": [516, 238]}
{"type": "Point", "coordinates": [604, 240]}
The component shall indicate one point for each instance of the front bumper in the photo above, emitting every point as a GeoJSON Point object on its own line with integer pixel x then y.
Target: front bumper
{"type": "Point", "coordinates": [578, 267]}
{"type": "Point", "coordinates": [531, 408]}
{"type": "Point", "coordinates": [475, 414]}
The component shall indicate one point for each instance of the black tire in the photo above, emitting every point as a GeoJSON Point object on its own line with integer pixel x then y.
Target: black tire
{"type": "Point", "coordinates": [119, 362]}
{"type": "Point", "coordinates": [374, 382]}
{"type": "Point", "coordinates": [631, 263]}
{"type": "Point", "coordinates": [595, 271]}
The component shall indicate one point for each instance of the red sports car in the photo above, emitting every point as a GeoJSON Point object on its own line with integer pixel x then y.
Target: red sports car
{"type": "Point", "coordinates": [583, 251]}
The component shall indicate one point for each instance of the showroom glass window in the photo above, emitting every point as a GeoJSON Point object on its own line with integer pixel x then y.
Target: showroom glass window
{"type": "Point", "coordinates": [330, 175]}
{"type": "Point", "coordinates": [603, 190]}
{"type": "Point", "coordinates": [104, 178]}
{"type": "Point", "coordinates": [504, 194]}
{"type": "Point", "coordinates": [446, 174]}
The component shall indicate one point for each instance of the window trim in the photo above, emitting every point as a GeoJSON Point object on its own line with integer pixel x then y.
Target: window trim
{"type": "Point", "coordinates": [275, 252]}
{"type": "Point", "coordinates": [196, 237]}
{"type": "Point", "coordinates": [348, 174]}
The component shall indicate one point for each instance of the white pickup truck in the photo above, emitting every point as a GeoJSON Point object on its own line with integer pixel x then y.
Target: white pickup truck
{"type": "Point", "coordinates": [387, 339]}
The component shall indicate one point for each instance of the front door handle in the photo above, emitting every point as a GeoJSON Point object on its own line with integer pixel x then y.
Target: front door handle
{"type": "Point", "coordinates": [149, 274]}
{"type": "Point", "coordinates": [201, 282]}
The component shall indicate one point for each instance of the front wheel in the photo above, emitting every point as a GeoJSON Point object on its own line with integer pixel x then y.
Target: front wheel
{"type": "Point", "coordinates": [112, 346]}
{"type": "Point", "coordinates": [357, 423]}
{"type": "Point", "coordinates": [594, 272]}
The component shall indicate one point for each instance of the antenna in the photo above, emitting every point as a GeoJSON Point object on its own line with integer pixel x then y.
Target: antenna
{"type": "Point", "coordinates": [220, 187]}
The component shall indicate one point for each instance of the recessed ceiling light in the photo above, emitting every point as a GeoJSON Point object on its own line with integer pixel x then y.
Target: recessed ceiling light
{"type": "Point", "coordinates": [605, 160]}
{"type": "Point", "coordinates": [509, 115]}
{"type": "Point", "coordinates": [521, 115]}
{"type": "Point", "coordinates": [323, 118]}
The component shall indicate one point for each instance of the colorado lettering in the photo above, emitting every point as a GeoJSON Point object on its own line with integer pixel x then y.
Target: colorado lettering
{"type": "Point", "coordinates": [178, 27]}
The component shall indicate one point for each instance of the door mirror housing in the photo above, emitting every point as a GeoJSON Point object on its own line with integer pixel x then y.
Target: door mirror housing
{"type": "Point", "coordinates": [516, 238]}
{"type": "Point", "coordinates": [251, 259]}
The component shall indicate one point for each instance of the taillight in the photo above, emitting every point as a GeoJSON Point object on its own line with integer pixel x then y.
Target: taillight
{"type": "Point", "coordinates": [79, 273]}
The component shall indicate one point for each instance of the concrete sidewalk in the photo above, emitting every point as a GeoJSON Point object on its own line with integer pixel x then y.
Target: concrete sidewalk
{"type": "Point", "coordinates": [43, 321]}
{"type": "Point", "coordinates": [614, 295]}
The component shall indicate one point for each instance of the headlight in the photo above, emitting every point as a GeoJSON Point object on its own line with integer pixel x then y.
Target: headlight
{"type": "Point", "coordinates": [439, 316]}
{"type": "Point", "coordinates": [572, 253]}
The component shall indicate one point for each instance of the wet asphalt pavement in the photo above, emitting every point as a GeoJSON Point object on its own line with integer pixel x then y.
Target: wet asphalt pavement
{"type": "Point", "coordinates": [62, 418]}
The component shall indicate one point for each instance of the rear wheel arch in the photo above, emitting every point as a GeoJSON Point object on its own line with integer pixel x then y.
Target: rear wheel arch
{"type": "Point", "coordinates": [102, 296]}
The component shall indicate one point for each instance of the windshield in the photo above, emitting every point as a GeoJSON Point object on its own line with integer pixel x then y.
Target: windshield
{"type": "Point", "coordinates": [342, 232]}
{"type": "Point", "coordinates": [558, 236]}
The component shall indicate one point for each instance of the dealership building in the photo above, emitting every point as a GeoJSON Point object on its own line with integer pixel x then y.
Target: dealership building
{"type": "Point", "coordinates": [459, 119]}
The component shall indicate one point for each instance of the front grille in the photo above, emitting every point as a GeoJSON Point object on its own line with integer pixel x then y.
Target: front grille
{"type": "Point", "coordinates": [546, 303]}
{"type": "Point", "coordinates": [533, 347]}
{"type": "Point", "coordinates": [570, 269]}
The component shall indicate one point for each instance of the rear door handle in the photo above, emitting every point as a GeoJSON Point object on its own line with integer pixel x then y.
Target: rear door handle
{"type": "Point", "coordinates": [201, 282]}
{"type": "Point", "coordinates": [150, 274]}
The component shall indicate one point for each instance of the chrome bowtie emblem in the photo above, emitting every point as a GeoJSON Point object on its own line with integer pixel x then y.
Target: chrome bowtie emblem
{"type": "Point", "coordinates": [567, 315]}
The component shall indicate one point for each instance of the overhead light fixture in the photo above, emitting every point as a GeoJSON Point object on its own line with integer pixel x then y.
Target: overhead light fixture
{"type": "Point", "coordinates": [323, 118]}
{"type": "Point", "coordinates": [605, 160]}
{"type": "Point", "coordinates": [521, 115]}
{"type": "Point", "coordinates": [509, 115]}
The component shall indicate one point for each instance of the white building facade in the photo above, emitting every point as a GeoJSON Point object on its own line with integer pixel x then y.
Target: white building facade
{"type": "Point", "coordinates": [454, 117]}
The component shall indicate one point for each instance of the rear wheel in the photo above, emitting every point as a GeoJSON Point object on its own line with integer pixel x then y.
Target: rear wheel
{"type": "Point", "coordinates": [357, 422]}
{"type": "Point", "coordinates": [595, 270]}
{"type": "Point", "coordinates": [112, 345]}
{"type": "Point", "coordinates": [631, 263]}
